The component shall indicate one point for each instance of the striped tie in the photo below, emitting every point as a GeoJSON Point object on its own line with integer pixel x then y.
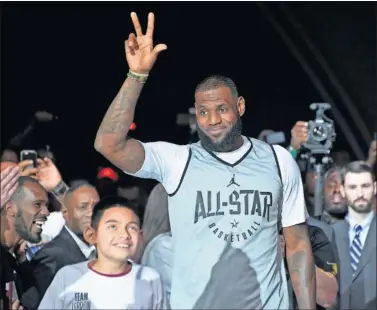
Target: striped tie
{"type": "Point", "coordinates": [356, 248]}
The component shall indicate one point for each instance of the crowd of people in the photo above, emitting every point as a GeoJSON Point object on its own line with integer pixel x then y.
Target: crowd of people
{"type": "Point", "coordinates": [229, 225]}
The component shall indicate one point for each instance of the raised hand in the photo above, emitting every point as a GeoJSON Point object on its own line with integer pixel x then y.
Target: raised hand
{"type": "Point", "coordinates": [48, 175]}
{"type": "Point", "coordinates": [9, 183]}
{"type": "Point", "coordinates": [140, 53]}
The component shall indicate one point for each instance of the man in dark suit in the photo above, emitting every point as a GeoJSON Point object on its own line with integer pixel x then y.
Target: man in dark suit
{"type": "Point", "coordinates": [356, 239]}
{"type": "Point", "coordinates": [69, 247]}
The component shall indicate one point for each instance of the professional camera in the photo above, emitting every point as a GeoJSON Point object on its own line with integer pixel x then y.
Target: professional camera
{"type": "Point", "coordinates": [321, 131]}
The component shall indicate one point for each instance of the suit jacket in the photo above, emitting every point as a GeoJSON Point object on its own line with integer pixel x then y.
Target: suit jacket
{"type": "Point", "coordinates": [359, 291]}
{"type": "Point", "coordinates": [60, 252]}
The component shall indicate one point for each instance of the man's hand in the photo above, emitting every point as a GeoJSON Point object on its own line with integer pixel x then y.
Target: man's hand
{"type": "Point", "coordinates": [300, 134]}
{"type": "Point", "coordinates": [140, 53]}
{"type": "Point", "coordinates": [48, 176]}
{"type": "Point", "coordinates": [8, 183]}
{"type": "Point", "coordinates": [16, 305]}
{"type": "Point", "coordinates": [372, 154]}
{"type": "Point", "coordinates": [27, 169]}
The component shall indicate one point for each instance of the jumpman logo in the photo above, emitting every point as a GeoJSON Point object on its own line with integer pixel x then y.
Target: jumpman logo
{"type": "Point", "coordinates": [232, 181]}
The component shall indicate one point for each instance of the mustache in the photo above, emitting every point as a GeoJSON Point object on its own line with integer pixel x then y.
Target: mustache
{"type": "Point", "coordinates": [360, 200]}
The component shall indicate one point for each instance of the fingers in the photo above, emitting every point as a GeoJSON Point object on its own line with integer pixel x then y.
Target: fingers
{"type": "Point", "coordinates": [150, 27]}
{"type": "Point", "coordinates": [24, 164]}
{"type": "Point", "coordinates": [29, 172]}
{"type": "Point", "coordinates": [48, 161]}
{"type": "Point", "coordinates": [41, 163]}
{"type": "Point", "coordinates": [159, 48]}
{"type": "Point", "coordinates": [135, 21]}
{"type": "Point", "coordinates": [9, 177]}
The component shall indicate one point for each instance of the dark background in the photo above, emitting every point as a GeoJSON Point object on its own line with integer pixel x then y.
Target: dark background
{"type": "Point", "coordinates": [68, 58]}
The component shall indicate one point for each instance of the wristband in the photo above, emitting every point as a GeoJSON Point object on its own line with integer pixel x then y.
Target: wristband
{"type": "Point", "coordinates": [60, 189]}
{"type": "Point", "coordinates": [293, 151]}
{"type": "Point", "coordinates": [142, 78]}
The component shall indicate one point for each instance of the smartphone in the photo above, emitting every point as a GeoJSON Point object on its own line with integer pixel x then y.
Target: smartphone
{"type": "Point", "coordinates": [29, 155]}
{"type": "Point", "coordinates": [276, 138]}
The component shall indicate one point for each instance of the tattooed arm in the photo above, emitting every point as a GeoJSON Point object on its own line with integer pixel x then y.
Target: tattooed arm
{"type": "Point", "coordinates": [129, 154]}
{"type": "Point", "coordinates": [111, 140]}
{"type": "Point", "coordinates": [301, 265]}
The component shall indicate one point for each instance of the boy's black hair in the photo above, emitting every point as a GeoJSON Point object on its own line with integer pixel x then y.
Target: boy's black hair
{"type": "Point", "coordinates": [108, 203]}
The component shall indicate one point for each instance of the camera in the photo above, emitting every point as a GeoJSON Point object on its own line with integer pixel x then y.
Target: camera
{"type": "Point", "coordinates": [321, 131]}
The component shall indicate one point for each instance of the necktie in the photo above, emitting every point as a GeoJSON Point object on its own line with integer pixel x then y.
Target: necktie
{"type": "Point", "coordinates": [356, 248]}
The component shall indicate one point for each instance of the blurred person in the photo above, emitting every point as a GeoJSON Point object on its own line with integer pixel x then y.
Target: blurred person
{"type": "Point", "coordinates": [157, 250]}
{"type": "Point", "coordinates": [111, 281]}
{"type": "Point", "coordinates": [9, 155]}
{"type": "Point", "coordinates": [208, 239]}
{"type": "Point", "coordinates": [68, 248]}
{"type": "Point", "coordinates": [335, 207]}
{"type": "Point", "coordinates": [356, 239]}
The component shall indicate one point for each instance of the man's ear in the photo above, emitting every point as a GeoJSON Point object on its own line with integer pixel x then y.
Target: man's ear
{"type": "Point", "coordinates": [241, 107]}
{"type": "Point", "coordinates": [64, 210]}
{"type": "Point", "coordinates": [10, 209]}
{"type": "Point", "coordinates": [90, 235]}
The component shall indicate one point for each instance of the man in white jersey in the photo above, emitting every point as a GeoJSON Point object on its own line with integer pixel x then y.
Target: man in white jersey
{"type": "Point", "coordinates": [228, 195]}
{"type": "Point", "coordinates": [111, 281]}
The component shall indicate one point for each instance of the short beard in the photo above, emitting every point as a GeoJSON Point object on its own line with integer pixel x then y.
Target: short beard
{"type": "Point", "coordinates": [366, 208]}
{"type": "Point", "coordinates": [23, 231]}
{"type": "Point", "coordinates": [336, 211]}
{"type": "Point", "coordinates": [227, 143]}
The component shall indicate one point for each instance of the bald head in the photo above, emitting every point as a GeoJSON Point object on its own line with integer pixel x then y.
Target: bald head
{"type": "Point", "coordinates": [23, 188]}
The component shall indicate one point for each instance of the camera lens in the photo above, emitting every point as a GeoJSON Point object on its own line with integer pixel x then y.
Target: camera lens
{"type": "Point", "coordinates": [319, 133]}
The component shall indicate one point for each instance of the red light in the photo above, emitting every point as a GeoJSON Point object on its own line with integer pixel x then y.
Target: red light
{"type": "Point", "coordinates": [133, 126]}
{"type": "Point", "coordinates": [108, 173]}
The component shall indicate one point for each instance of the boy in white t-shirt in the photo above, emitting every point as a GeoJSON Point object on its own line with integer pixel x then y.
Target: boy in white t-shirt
{"type": "Point", "coordinates": [111, 281]}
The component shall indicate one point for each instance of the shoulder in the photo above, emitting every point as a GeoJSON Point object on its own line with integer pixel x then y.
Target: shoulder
{"type": "Point", "coordinates": [339, 225]}
{"type": "Point", "coordinates": [74, 268]}
{"type": "Point", "coordinates": [146, 273]}
{"type": "Point", "coordinates": [166, 149]}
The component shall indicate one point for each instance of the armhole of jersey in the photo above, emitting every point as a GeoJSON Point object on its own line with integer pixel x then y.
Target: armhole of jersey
{"type": "Point", "coordinates": [280, 226]}
{"type": "Point", "coordinates": [183, 175]}
{"type": "Point", "coordinates": [277, 163]}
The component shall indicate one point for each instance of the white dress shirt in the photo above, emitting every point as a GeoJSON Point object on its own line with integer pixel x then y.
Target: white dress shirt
{"type": "Point", "coordinates": [365, 227]}
{"type": "Point", "coordinates": [89, 251]}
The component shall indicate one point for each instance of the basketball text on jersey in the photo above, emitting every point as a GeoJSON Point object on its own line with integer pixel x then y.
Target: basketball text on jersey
{"type": "Point", "coordinates": [81, 301]}
{"type": "Point", "coordinates": [239, 203]}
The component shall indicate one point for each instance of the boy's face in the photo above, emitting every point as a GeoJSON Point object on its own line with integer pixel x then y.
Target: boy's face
{"type": "Point", "coordinates": [118, 234]}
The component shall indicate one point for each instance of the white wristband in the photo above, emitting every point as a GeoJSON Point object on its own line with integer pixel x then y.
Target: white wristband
{"type": "Point", "coordinates": [139, 74]}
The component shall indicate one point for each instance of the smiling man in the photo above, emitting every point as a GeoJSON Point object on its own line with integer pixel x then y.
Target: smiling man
{"type": "Point", "coordinates": [228, 195]}
{"type": "Point", "coordinates": [22, 218]}
{"type": "Point", "coordinates": [25, 213]}
{"type": "Point", "coordinates": [69, 247]}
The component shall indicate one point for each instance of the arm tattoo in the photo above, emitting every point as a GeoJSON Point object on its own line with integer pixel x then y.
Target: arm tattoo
{"type": "Point", "coordinates": [119, 116]}
{"type": "Point", "coordinates": [301, 265]}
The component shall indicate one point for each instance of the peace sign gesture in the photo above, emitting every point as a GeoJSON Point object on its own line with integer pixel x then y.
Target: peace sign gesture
{"type": "Point", "coordinates": [140, 52]}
